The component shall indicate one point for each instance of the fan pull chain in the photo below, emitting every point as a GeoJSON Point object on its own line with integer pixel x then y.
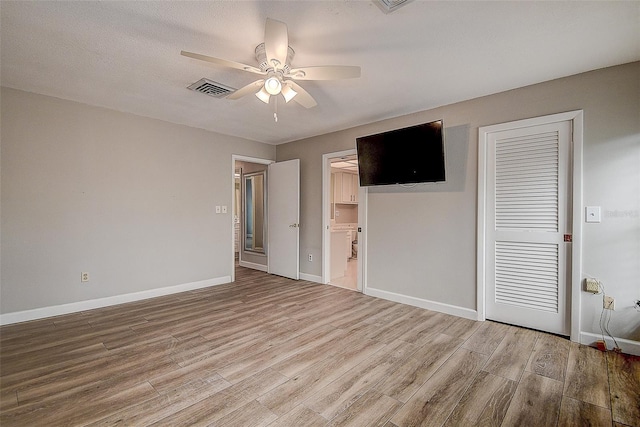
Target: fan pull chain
{"type": "Point", "coordinates": [275, 109]}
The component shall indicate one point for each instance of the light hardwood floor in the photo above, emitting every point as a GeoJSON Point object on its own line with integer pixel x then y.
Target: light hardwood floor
{"type": "Point", "coordinates": [268, 351]}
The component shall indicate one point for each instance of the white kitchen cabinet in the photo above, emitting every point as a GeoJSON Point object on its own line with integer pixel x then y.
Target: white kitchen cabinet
{"type": "Point", "coordinates": [345, 188]}
{"type": "Point", "coordinates": [355, 186]}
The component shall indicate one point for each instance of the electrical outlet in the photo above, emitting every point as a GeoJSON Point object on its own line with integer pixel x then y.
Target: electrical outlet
{"type": "Point", "coordinates": [84, 276]}
{"type": "Point", "coordinates": [592, 285]}
{"type": "Point", "coordinates": [310, 258]}
{"type": "Point", "coordinates": [608, 303]}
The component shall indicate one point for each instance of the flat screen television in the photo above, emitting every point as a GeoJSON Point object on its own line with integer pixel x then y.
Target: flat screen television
{"type": "Point", "coordinates": [402, 156]}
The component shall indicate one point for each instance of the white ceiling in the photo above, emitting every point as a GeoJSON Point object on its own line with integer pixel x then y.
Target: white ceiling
{"type": "Point", "coordinates": [125, 55]}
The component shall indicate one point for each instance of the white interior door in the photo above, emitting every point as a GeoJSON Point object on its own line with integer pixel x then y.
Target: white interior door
{"type": "Point", "coordinates": [283, 206]}
{"type": "Point", "coordinates": [527, 206]}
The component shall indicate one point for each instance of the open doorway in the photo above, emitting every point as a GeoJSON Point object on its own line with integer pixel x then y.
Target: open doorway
{"type": "Point", "coordinates": [265, 224]}
{"type": "Point", "coordinates": [249, 223]}
{"type": "Point", "coordinates": [343, 211]}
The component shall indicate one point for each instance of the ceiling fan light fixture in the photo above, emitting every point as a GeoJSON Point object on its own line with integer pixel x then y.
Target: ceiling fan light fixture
{"type": "Point", "coordinates": [288, 93]}
{"type": "Point", "coordinates": [272, 85]}
{"type": "Point", "coordinates": [274, 58]}
{"type": "Point", "coordinates": [263, 95]}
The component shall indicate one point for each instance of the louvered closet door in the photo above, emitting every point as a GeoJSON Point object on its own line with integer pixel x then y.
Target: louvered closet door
{"type": "Point", "coordinates": [527, 205]}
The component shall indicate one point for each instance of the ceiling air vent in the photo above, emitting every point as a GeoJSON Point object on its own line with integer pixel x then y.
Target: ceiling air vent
{"type": "Point", "coordinates": [211, 88]}
{"type": "Point", "coordinates": [389, 6]}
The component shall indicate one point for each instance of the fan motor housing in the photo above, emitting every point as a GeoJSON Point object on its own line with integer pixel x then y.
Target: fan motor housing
{"type": "Point", "coordinates": [261, 57]}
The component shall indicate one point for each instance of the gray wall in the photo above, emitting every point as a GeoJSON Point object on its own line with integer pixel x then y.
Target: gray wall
{"type": "Point", "coordinates": [422, 241]}
{"type": "Point", "coordinates": [129, 199]}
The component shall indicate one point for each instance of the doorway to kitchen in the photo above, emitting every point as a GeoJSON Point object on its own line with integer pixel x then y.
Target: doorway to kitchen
{"type": "Point", "coordinates": [343, 212]}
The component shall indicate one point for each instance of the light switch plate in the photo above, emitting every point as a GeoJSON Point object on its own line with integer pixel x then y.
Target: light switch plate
{"type": "Point", "coordinates": [217, 209]}
{"type": "Point", "coordinates": [592, 214]}
{"type": "Point", "coordinates": [224, 209]}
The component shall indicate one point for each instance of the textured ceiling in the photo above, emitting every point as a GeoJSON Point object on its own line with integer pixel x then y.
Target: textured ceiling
{"type": "Point", "coordinates": [126, 55]}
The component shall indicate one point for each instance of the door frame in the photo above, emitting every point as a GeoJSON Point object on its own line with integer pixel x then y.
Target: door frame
{"type": "Point", "coordinates": [574, 288]}
{"type": "Point", "coordinates": [234, 158]}
{"type": "Point", "coordinates": [326, 222]}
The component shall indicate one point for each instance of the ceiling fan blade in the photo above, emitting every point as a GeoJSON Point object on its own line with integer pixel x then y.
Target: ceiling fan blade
{"type": "Point", "coordinates": [246, 90]}
{"type": "Point", "coordinates": [276, 42]}
{"type": "Point", "coordinates": [302, 96]}
{"type": "Point", "coordinates": [328, 72]}
{"type": "Point", "coordinates": [223, 62]}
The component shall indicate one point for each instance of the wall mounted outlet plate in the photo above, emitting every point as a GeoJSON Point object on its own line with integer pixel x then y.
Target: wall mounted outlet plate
{"type": "Point", "coordinates": [608, 303]}
{"type": "Point", "coordinates": [592, 285]}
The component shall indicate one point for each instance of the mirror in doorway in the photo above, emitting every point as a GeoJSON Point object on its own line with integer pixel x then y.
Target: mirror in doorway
{"type": "Point", "coordinates": [254, 211]}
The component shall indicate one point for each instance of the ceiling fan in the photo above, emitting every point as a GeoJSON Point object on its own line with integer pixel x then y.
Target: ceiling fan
{"type": "Point", "coordinates": [274, 58]}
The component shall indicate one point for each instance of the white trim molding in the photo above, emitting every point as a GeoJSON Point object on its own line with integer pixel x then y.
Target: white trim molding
{"type": "Point", "coordinates": [311, 278]}
{"type": "Point", "coordinates": [74, 307]}
{"type": "Point", "coordinates": [363, 228]}
{"type": "Point", "coordinates": [627, 346]}
{"type": "Point", "coordinates": [454, 310]}
{"type": "Point", "coordinates": [253, 265]}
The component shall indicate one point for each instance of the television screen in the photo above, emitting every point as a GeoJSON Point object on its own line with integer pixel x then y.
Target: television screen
{"type": "Point", "coordinates": [403, 156]}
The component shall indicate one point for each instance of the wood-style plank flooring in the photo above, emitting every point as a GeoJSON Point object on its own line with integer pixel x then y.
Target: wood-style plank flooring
{"type": "Point", "coordinates": [268, 351]}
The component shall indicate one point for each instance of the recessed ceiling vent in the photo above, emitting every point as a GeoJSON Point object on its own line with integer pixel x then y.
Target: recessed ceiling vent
{"type": "Point", "coordinates": [389, 6]}
{"type": "Point", "coordinates": [211, 88]}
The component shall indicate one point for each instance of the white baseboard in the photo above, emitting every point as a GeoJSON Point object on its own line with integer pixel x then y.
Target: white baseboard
{"type": "Point", "coordinates": [253, 265]}
{"type": "Point", "coordinates": [467, 313]}
{"type": "Point", "coordinates": [311, 278]}
{"type": "Point", "coordinates": [627, 346]}
{"type": "Point", "coordinates": [74, 307]}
